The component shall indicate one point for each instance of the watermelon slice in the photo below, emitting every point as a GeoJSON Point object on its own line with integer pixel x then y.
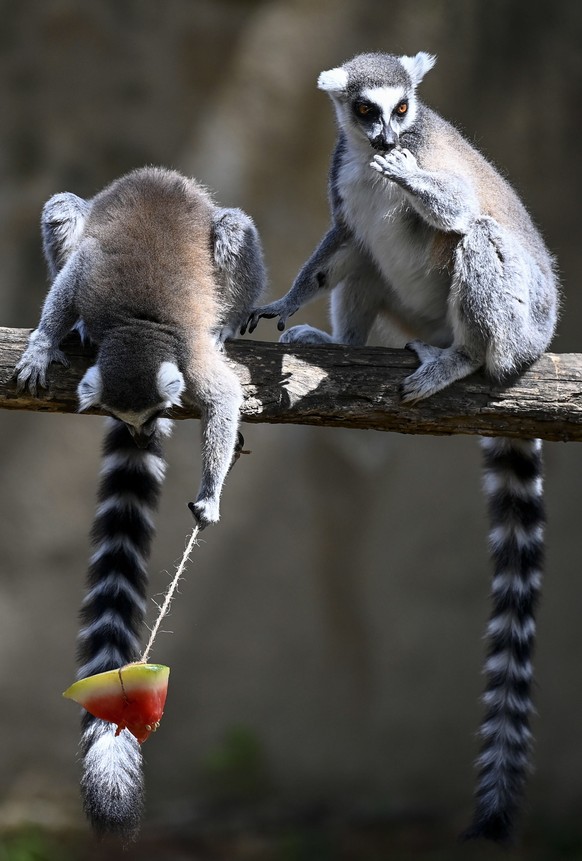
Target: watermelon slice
{"type": "Point", "coordinates": [133, 697]}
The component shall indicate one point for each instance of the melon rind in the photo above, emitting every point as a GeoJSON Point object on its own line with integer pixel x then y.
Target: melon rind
{"type": "Point", "coordinates": [134, 676]}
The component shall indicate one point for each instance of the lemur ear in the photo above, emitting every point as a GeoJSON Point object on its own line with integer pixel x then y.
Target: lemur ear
{"type": "Point", "coordinates": [170, 382]}
{"type": "Point", "coordinates": [90, 388]}
{"type": "Point", "coordinates": [418, 66]}
{"type": "Point", "coordinates": [334, 81]}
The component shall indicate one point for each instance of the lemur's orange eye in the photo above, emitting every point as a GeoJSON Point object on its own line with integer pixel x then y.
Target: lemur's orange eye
{"type": "Point", "coordinates": [363, 109]}
{"type": "Point", "coordinates": [401, 108]}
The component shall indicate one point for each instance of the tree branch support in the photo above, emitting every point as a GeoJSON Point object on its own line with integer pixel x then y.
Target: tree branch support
{"type": "Point", "coordinates": [336, 386]}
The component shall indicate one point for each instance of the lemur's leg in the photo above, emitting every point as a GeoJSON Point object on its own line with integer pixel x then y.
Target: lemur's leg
{"type": "Point", "coordinates": [62, 221]}
{"type": "Point", "coordinates": [58, 317]}
{"type": "Point", "coordinates": [438, 369]}
{"type": "Point", "coordinates": [489, 310]}
{"type": "Point", "coordinates": [448, 202]}
{"type": "Point", "coordinates": [238, 258]}
{"type": "Point", "coordinates": [216, 389]}
{"type": "Point", "coordinates": [325, 268]}
{"type": "Point", "coordinates": [497, 298]}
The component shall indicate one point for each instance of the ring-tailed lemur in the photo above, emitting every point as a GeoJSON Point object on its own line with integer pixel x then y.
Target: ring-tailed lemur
{"type": "Point", "coordinates": [427, 233]}
{"type": "Point", "coordinates": [157, 276]}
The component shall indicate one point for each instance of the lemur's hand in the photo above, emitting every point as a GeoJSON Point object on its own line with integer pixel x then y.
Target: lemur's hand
{"type": "Point", "coordinates": [205, 510]}
{"type": "Point", "coordinates": [282, 308]}
{"type": "Point", "coordinates": [396, 164]}
{"type": "Point", "coordinates": [32, 367]}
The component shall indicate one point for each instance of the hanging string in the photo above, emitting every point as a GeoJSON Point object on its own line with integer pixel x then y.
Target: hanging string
{"type": "Point", "coordinates": [164, 609]}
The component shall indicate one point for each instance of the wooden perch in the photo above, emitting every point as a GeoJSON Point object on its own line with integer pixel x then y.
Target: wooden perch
{"type": "Point", "coordinates": [337, 386]}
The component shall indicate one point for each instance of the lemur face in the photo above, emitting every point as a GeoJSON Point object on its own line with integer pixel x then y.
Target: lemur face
{"type": "Point", "coordinates": [381, 114]}
{"type": "Point", "coordinates": [131, 400]}
{"type": "Point", "coordinates": [375, 95]}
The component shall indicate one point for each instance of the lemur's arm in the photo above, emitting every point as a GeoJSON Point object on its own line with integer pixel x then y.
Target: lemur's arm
{"type": "Point", "coordinates": [62, 221]}
{"type": "Point", "coordinates": [57, 319]}
{"type": "Point", "coordinates": [322, 271]}
{"type": "Point", "coordinates": [238, 258]}
{"type": "Point", "coordinates": [241, 276]}
{"type": "Point", "coordinates": [217, 390]}
{"type": "Point", "coordinates": [445, 200]}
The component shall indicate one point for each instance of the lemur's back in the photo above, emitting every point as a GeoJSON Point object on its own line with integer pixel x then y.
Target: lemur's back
{"type": "Point", "coordinates": [158, 276]}
{"type": "Point", "coordinates": [150, 233]}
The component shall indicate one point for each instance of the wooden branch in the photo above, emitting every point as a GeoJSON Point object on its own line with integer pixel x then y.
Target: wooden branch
{"type": "Point", "coordinates": [352, 387]}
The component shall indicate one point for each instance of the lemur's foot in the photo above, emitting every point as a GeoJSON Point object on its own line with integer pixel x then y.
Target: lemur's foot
{"type": "Point", "coordinates": [33, 365]}
{"type": "Point", "coordinates": [205, 511]}
{"type": "Point", "coordinates": [305, 334]}
{"type": "Point", "coordinates": [438, 369]}
{"type": "Point", "coordinates": [281, 309]}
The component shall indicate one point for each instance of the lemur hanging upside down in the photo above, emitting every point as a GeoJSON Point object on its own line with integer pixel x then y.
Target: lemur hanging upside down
{"type": "Point", "coordinates": [157, 276]}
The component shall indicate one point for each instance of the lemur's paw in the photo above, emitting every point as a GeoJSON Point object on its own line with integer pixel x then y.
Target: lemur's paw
{"type": "Point", "coordinates": [428, 378]}
{"type": "Point", "coordinates": [396, 164]}
{"type": "Point", "coordinates": [305, 334]}
{"type": "Point", "coordinates": [417, 386]}
{"type": "Point", "coordinates": [205, 512]}
{"type": "Point", "coordinates": [281, 309]}
{"type": "Point", "coordinates": [438, 369]}
{"type": "Point", "coordinates": [32, 367]}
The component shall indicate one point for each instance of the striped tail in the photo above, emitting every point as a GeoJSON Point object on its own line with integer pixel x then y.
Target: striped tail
{"type": "Point", "coordinates": [513, 485]}
{"type": "Point", "coordinates": [112, 616]}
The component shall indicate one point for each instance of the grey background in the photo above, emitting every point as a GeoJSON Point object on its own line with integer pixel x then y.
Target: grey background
{"type": "Point", "coordinates": [326, 645]}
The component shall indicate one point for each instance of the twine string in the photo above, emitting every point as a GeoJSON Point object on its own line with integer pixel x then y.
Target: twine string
{"type": "Point", "coordinates": [164, 609]}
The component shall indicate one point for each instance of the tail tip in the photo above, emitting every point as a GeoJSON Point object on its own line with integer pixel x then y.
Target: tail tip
{"type": "Point", "coordinates": [112, 785]}
{"type": "Point", "coordinates": [117, 820]}
{"type": "Point", "coordinates": [124, 828]}
{"type": "Point", "coordinates": [497, 827]}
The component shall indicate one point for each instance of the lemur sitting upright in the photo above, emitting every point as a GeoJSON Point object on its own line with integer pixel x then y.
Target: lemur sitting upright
{"type": "Point", "coordinates": [157, 276]}
{"type": "Point", "coordinates": [425, 232]}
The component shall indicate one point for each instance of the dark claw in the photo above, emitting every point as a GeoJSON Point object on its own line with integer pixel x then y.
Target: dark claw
{"type": "Point", "coordinates": [404, 396]}
{"type": "Point", "coordinates": [281, 325]}
{"type": "Point", "coordinates": [240, 441]}
{"type": "Point", "coordinates": [238, 450]}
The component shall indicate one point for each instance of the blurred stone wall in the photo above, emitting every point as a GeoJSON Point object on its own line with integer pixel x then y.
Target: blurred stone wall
{"type": "Point", "coordinates": [329, 630]}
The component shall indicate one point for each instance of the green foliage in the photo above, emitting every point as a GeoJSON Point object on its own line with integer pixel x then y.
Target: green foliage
{"type": "Point", "coordinates": [30, 845]}
{"type": "Point", "coordinates": [305, 845]}
{"type": "Point", "coordinates": [236, 769]}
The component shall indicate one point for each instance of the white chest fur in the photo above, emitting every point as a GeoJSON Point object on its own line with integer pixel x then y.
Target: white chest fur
{"type": "Point", "coordinates": [378, 213]}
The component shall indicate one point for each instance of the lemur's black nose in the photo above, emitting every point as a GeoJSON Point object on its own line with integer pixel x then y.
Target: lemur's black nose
{"type": "Point", "coordinates": [384, 142]}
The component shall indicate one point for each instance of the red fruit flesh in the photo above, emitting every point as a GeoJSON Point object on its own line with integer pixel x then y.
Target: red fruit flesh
{"type": "Point", "coordinates": [132, 697]}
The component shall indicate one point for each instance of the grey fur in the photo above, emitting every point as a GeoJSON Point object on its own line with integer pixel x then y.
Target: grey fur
{"type": "Point", "coordinates": [428, 234]}
{"type": "Point", "coordinates": [168, 289]}
{"type": "Point", "coordinates": [157, 277]}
